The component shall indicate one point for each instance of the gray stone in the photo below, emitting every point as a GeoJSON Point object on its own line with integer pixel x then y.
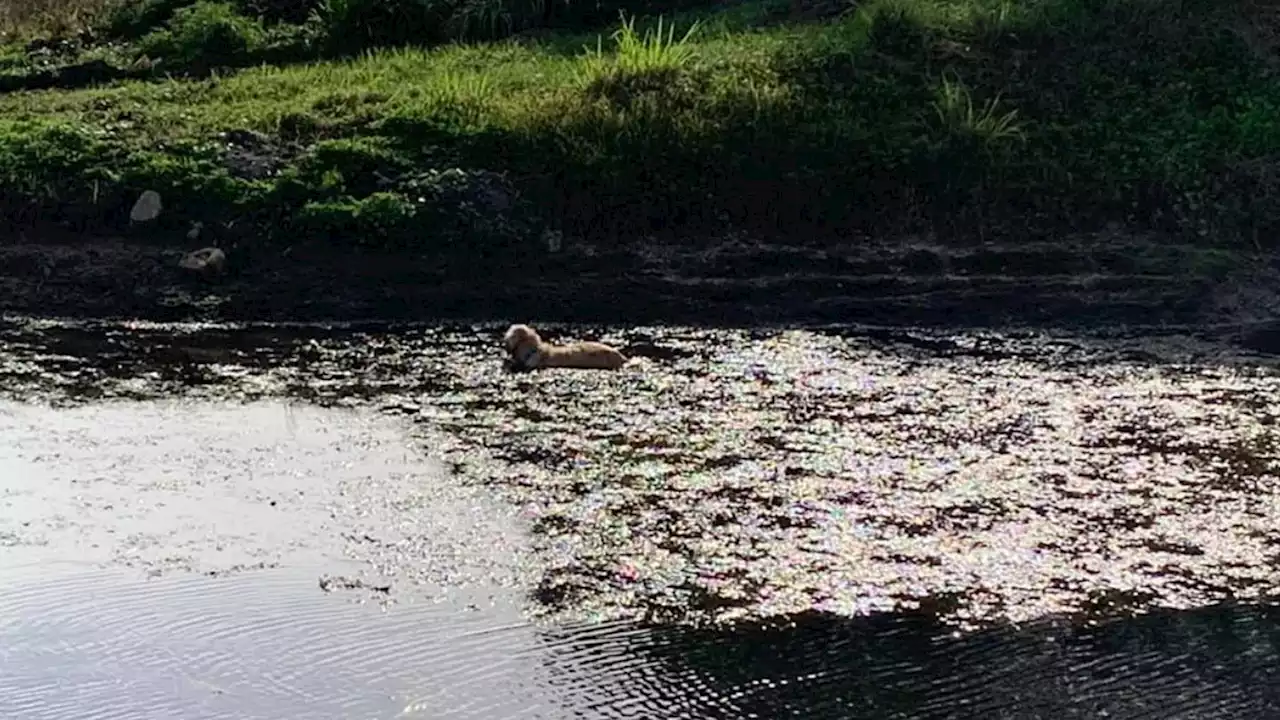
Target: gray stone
{"type": "Point", "coordinates": [147, 207]}
{"type": "Point", "coordinates": [206, 262]}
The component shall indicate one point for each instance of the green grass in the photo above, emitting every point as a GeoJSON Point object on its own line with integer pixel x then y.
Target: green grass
{"type": "Point", "coordinates": [962, 117]}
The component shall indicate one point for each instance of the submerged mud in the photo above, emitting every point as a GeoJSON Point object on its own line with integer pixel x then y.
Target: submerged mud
{"type": "Point", "coordinates": [974, 476]}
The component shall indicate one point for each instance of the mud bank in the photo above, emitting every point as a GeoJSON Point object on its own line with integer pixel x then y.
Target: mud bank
{"type": "Point", "coordinates": [1072, 281]}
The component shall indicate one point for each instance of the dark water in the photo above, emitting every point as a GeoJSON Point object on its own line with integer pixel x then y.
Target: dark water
{"type": "Point", "coordinates": [267, 645]}
{"type": "Point", "coordinates": [105, 646]}
{"type": "Point", "coordinates": [815, 524]}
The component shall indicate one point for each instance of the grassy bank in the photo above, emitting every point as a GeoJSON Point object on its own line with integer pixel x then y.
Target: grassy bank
{"type": "Point", "coordinates": [957, 117]}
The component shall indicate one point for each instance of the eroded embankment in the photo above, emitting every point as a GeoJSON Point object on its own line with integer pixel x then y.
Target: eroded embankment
{"type": "Point", "coordinates": [1086, 280]}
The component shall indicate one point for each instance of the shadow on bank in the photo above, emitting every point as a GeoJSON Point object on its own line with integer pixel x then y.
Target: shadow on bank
{"type": "Point", "coordinates": [1217, 662]}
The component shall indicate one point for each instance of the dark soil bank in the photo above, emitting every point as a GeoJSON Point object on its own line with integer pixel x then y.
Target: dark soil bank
{"type": "Point", "coordinates": [1083, 280]}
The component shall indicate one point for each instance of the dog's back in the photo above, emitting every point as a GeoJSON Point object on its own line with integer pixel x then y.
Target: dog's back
{"type": "Point", "coordinates": [592, 355]}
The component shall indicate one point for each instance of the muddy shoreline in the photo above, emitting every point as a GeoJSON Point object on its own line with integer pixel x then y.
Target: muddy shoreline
{"type": "Point", "coordinates": [1071, 282]}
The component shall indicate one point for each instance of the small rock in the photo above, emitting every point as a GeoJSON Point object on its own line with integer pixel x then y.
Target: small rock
{"type": "Point", "coordinates": [147, 208]}
{"type": "Point", "coordinates": [205, 261]}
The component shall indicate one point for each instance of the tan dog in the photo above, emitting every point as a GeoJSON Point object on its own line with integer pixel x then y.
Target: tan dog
{"type": "Point", "coordinates": [528, 351]}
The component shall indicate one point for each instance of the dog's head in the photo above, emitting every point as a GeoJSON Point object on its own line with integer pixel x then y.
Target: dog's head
{"type": "Point", "coordinates": [524, 347]}
{"type": "Point", "coordinates": [518, 336]}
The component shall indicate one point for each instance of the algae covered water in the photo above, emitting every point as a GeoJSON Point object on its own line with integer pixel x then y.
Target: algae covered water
{"type": "Point", "coordinates": [765, 523]}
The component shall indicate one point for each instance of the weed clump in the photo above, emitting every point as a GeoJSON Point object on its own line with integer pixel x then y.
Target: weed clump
{"type": "Point", "coordinates": [653, 66]}
{"type": "Point", "coordinates": [205, 35]}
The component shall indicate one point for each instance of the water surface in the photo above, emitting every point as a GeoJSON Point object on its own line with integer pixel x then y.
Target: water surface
{"type": "Point", "coordinates": [963, 524]}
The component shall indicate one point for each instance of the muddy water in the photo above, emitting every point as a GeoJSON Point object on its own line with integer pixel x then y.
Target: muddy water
{"type": "Point", "coordinates": [946, 524]}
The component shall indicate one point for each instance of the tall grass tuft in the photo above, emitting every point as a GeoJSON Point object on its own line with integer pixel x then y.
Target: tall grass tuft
{"type": "Point", "coordinates": [653, 50]}
{"type": "Point", "coordinates": [653, 53]}
{"type": "Point", "coordinates": [960, 117]}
